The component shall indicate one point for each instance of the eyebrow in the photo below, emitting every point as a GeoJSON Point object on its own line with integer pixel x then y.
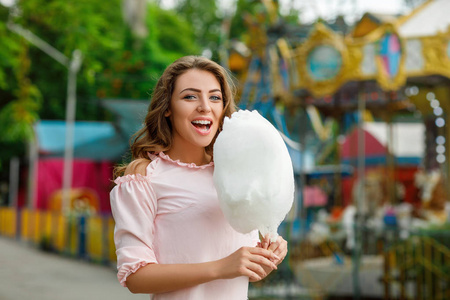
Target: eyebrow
{"type": "Point", "coordinates": [198, 91]}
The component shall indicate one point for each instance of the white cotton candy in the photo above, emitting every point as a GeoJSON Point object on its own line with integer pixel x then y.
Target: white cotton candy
{"type": "Point", "coordinates": [253, 174]}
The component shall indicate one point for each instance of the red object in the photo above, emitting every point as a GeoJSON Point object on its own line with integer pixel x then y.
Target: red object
{"type": "Point", "coordinates": [95, 176]}
{"type": "Point", "coordinates": [372, 147]}
{"type": "Point", "coordinates": [403, 175]}
{"type": "Point", "coordinates": [314, 196]}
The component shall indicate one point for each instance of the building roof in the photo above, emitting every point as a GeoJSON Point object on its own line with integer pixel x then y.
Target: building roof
{"type": "Point", "coordinates": [407, 146]}
{"type": "Point", "coordinates": [427, 20]}
{"type": "Point", "coordinates": [92, 140]}
{"type": "Point", "coordinates": [130, 114]}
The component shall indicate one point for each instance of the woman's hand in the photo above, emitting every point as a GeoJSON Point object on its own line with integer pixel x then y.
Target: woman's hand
{"type": "Point", "coordinates": [253, 262]}
{"type": "Point", "coordinates": [279, 247]}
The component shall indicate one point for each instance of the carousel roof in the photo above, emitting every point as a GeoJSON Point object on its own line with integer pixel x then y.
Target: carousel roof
{"type": "Point", "coordinates": [407, 143]}
{"type": "Point", "coordinates": [427, 20]}
{"type": "Point", "coordinates": [408, 138]}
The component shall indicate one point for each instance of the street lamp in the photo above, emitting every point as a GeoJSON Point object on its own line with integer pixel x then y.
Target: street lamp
{"type": "Point", "coordinates": [73, 65]}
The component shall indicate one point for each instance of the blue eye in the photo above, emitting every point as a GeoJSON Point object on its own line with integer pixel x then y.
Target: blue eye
{"type": "Point", "coordinates": [189, 97]}
{"type": "Point", "coordinates": [216, 98]}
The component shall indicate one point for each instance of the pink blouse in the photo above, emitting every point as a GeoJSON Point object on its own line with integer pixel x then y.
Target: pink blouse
{"type": "Point", "coordinates": [170, 216]}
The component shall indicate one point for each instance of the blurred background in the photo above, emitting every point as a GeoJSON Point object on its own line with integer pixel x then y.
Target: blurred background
{"type": "Point", "coordinates": [358, 89]}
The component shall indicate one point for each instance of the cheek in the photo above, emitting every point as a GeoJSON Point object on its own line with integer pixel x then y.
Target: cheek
{"type": "Point", "coordinates": [218, 110]}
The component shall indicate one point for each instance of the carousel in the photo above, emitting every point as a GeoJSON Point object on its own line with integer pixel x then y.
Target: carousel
{"type": "Point", "coordinates": [371, 102]}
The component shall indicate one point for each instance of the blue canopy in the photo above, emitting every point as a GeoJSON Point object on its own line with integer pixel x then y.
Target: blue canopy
{"type": "Point", "coordinates": [130, 114]}
{"type": "Point", "coordinates": [92, 140]}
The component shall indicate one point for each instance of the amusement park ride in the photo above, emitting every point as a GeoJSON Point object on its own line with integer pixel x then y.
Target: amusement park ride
{"type": "Point", "coordinates": [363, 110]}
{"type": "Point", "coordinates": [330, 79]}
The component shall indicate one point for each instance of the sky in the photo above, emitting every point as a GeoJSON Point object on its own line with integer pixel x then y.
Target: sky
{"type": "Point", "coordinates": [326, 9]}
{"type": "Point", "coordinates": [352, 10]}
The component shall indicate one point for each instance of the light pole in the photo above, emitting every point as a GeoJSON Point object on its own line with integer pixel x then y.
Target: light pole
{"type": "Point", "coordinates": [73, 68]}
{"type": "Point", "coordinates": [73, 65]}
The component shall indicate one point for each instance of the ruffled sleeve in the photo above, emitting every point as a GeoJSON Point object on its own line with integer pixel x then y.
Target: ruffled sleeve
{"type": "Point", "coordinates": [133, 205]}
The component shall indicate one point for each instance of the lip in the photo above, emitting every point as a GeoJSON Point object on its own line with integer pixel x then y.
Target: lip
{"type": "Point", "coordinates": [203, 119]}
{"type": "Point", "coordinates": [202, 132]}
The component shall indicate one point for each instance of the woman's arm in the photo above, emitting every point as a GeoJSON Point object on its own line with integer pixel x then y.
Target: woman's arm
{"type": "Point", "coordinates": [252, 262]}
{"type": "Point", "coordinates": [134, 232]}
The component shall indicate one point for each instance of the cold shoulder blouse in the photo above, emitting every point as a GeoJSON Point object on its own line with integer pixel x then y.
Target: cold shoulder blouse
{"type": "Point", "coordinates": [172, 216]}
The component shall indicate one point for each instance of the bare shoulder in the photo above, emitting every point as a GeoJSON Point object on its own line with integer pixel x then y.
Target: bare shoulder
{"type": "Point", "coordinates": [137, 166]}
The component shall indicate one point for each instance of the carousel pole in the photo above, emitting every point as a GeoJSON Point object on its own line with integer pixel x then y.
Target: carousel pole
{"type": "Point", "coordinates": [302, 209]}
{"type": "Point", "coordinates": [359, 219]}
{"type": "Point", "coordinates": [337, 160]}
{"type": "Point", "coordinates": [446, 134]}
{"type": "Point", "coordinates": [390, 154]}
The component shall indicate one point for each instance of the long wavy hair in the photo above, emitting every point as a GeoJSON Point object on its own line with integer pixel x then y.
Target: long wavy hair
{"type": "Point", "coordinates": [156, 133]}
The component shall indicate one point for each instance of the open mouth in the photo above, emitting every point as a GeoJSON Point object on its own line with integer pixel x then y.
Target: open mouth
{"type": "Point", "coordinates": [202, 125]}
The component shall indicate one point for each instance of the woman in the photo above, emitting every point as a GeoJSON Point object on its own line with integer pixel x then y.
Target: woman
{"type": "Point", "coordinates": [171, 237]}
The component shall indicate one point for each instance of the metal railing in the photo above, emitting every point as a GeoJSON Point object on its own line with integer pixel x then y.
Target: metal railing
{"type": "Point", "coordinates": [413, 267]}
{"type": "Point", "coordinates": [81, 236]}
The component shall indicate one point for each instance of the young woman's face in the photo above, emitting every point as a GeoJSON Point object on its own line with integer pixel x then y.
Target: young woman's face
{"type": "Point", "coordinates": [195, 109]}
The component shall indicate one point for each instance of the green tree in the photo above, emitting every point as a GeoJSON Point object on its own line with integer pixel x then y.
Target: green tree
{"type": "Point", "coordinates": [89, 26]}
{"type": "Point", "coordinates": [139, 64]}
{"type": "Point", "coordinates": [24, 111]}
{"type": "Point", "coordinates": [9, 56]}
{"type": "Point", "coordinates": [115, 63]}
{"type": "Point", "coordinates": [19, 97]}
{"type": "Point", "coordinates": [206, 21]}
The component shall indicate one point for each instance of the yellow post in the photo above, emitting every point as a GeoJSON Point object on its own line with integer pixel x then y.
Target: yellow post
{"type": "Point", "coordinates": [419, 279]}
{"type": "Point", "coordinates": [24, 220]}
{"type": "Point", "coordinates": [386, 277]}
{"type": "Point", "coordinates": [12, 221]}
{"type": "Point", "coordinates": [428, 274]}
{"type": "Point", "coordinates": [95, 237]}
{"type": "Point", "coordinates": [111, 245]}
{"type": "Point", "coordinates": [2, 220]}
{"type": "Point", "coordinates": [60, 238]}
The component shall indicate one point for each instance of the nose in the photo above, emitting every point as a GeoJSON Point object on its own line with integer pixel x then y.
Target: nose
{"type": "Point", "coordinates": [203, 105]}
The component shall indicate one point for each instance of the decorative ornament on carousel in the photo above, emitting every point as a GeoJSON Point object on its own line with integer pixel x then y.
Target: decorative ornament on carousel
{"type": "Point", "coordinates": [253, 174]}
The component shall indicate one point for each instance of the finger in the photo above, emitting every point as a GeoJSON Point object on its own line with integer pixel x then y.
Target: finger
{"type": "Point", "coordinates": [252, 276]}
{"type": "Point", "coordinates": [262, 261]}
{"type": "Point", "coordinates": [273, 246]}
{"type": "Point", "coordinates": [281, 252]}
{"type": "Point", "coordinates": [264, 252]}
{"type": "Point", "coordinates": [267, 241]}
{"type": "Point", "coordinates": [281, 248]}
{"type": "Point", "coordinates": [257, 269]}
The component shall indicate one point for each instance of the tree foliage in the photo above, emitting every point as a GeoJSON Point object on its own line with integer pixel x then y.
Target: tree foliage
{"type": "Point", "coordinates": [23, 112]}
{"type": "Point", "coordinates": [138, 65]}
{"type": "Point", "coordinates": [116, 64]}
{"type": "Point", "coordinates": [206, 21]}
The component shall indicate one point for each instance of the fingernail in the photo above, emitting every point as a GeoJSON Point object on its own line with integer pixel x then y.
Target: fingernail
{"type": "Point", "coordinates": [275, 256]}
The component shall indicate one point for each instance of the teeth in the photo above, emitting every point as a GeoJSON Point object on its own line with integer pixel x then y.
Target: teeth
{"type": "Point", "coordinates": [201, 122]}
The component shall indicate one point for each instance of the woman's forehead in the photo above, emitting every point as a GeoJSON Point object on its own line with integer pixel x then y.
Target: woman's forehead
{"type": "Point", "coordinates": [196, 79]}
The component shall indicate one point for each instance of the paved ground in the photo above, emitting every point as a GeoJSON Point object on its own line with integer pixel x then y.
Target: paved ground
{"type": "Point", "coordinates": [28, 273]}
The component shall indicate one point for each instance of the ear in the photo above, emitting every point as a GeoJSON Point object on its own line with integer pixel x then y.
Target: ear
{"type": "Point", "coordinates": [167, 113]}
